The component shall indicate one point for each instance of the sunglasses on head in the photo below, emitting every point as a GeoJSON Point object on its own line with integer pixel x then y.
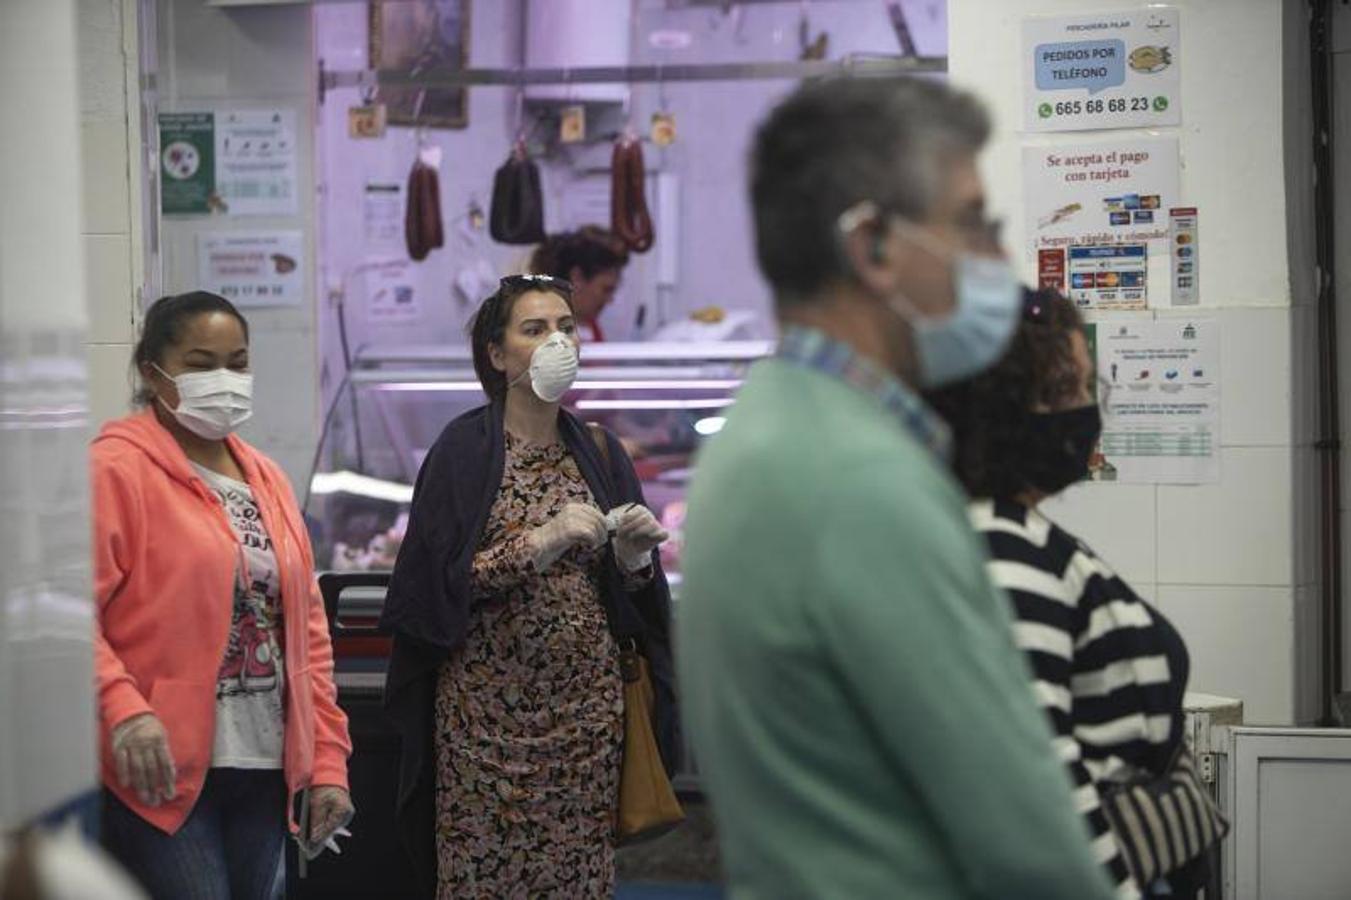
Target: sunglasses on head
{"type": "Point", "coordinates": [537, 282]}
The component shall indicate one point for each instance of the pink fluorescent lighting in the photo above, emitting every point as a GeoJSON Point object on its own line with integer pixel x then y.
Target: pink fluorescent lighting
{"type": "Point", "coordinates": [464, 387]}
{"type": "Point", "coordinates": [472, 387]}
{"type": "Point", "coordinates": [654, 404]}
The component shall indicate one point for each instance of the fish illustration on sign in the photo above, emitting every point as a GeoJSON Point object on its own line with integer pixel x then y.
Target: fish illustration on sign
{"type": "Point", "coordinates": [1149, 59]}
{"type": "Point", "coordinates": [1059, 215]}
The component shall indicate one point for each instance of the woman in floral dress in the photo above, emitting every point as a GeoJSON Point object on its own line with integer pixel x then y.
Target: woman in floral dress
{"type": "Point", "coordinates": [527, 705]}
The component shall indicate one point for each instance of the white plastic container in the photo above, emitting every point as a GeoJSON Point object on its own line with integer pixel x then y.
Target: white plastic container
{"type": "Point", "coordinates": [577, 34]}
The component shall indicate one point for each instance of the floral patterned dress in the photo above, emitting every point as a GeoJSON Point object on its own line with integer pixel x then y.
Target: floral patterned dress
{"type": "Point", "coordinates": [529, 713]}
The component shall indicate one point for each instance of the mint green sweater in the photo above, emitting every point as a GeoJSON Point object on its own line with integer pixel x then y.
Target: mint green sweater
{"type": "Point", "coordinates": [863, 722]}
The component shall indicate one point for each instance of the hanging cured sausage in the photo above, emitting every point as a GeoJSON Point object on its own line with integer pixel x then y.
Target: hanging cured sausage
{"type": "Point", "coordinates": [422, 221]}
{"type": "Point", "coordinates": [629, 217]}
{"type": "Point", "coordinates": [517, 212]}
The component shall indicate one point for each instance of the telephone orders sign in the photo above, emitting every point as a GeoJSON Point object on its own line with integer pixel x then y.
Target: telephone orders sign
{"type": "Point", "coordinates": [1111, 70]}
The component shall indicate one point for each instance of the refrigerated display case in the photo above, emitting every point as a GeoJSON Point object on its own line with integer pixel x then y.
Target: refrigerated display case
{"type": "Point", "coordinates": [661, 400]}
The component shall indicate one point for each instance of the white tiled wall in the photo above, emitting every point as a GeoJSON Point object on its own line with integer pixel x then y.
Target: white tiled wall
{"type": "Point", "coordinates": [1235, 532]}
{"type": "Point", "coordinates": [111, 232]}
{"type": "Point", "coordinates": [103, 146]}
{"type": "Point", "coordinates": [1239, 636]}
{"type": "Point", "coordinates": [110, 382]}
{"type": "Point", "coordinates": [1233, 563]}
{"type": "Point", "coordinates": [284, 367]}
{"type": "Point", "coordinates": [107, 260]}
{"type": "Point", "coordinates": [1121, 519]}
{"type": "Point", "coordinates": [1255, 376]}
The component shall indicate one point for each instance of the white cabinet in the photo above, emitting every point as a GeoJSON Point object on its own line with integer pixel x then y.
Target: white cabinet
{"type": "Point", "coordinates": [1289, 799]}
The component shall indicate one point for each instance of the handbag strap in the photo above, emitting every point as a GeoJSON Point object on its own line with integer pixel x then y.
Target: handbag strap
{"type": "Point", "coordinates": [602, 443]}
{"type": "Point", "coordinates": [629, 650]}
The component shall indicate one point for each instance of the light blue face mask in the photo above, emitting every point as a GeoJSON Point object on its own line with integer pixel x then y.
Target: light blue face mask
{"type": "Point", "coordinates": [973, 337]}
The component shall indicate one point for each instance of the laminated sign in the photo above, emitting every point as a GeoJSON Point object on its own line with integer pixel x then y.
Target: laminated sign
{"type": "Point", "coordinates": [1110, 278]}
{"type": "Point", "coordinates": [1160, 393]}
{"type": "Point", "coordinates": [1116, 191]}
{"type": "Point", "coordinates": [187, 162]}
{"type": "Point", "coordinates": [1185, 256]}
{"type": "Point", "coordinates": [253, 268]}
{"type": "Point", "coordinates": [1108, 70]}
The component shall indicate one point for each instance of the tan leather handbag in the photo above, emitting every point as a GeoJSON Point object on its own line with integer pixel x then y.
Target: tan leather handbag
{"type": "Point", "coordinates": [648, 807]}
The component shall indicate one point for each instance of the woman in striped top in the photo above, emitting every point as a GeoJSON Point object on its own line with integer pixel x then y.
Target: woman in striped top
{"type": "Point", "coordinates": [1109, 670]}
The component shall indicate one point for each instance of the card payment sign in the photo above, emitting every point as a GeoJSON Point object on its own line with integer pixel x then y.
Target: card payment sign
{"type": "Point", "coordinates": [1110, 277]}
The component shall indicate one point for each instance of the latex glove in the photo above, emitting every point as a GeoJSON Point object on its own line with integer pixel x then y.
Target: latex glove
{"type": "Point", "coordinates": [576, 524]}
{"type": "Point", "coordinates": [143, 760]}
{"type": "Point", "coordinates": [637, 534]}
{"type": "Point", "coordinates": [331, 810]}
{"type": "Point", "coordinates": [314, 851]}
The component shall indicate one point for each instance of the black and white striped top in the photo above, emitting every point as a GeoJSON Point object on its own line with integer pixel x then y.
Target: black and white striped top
{"type": "Point", "coordinates": [1108, 669]}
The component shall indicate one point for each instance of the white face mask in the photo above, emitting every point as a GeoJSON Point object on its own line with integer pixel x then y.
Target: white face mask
{"type": "Point", "coordinates": [553, 368]}
{"type": "Point", "coordinates": [212, 404]}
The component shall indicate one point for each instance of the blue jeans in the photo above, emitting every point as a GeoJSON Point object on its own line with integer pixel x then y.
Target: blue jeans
{"type": "Point", "coordinates": [230, 848]}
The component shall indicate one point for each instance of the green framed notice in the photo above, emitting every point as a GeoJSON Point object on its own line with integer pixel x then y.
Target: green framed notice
{"type": "Point", "coordinates": [187, 162]}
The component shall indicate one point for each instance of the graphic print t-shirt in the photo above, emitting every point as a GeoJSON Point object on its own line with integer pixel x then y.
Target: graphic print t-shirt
{"type": "Point", "coordinates": [249, 685]}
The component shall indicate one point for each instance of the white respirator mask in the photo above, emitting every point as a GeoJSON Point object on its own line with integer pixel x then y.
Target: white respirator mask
{"type": "Point", "coordinates": [553, 368]}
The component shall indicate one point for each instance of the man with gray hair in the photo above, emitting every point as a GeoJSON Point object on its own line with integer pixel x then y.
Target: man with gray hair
{"type": "Point", "coordinates": [863, 722]}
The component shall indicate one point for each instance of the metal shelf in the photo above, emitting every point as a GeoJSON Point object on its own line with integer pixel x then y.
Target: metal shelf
{"type": "Point", "coordinates": [613, 351]}
{"type": "Point", "coordinates": [853, 66]}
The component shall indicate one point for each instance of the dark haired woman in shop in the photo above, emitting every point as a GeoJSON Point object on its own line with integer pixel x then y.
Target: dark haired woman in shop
{"type": "Point", "coordinates": [592, 260]}
{"type": "Point", "coordinates": [212, 653]}
{"type": "Point", "coordinates": [512, 590]}
{"type": "Point", "coordinates": [1110, 670]}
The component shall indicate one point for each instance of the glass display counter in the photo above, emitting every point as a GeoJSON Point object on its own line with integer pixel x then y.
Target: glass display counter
{"type": "Point", "coordinates": [661, 400]}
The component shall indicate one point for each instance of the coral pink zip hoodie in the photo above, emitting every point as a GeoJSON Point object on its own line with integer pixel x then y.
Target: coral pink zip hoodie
{"type": "Point", "coordinates": [165, 559]}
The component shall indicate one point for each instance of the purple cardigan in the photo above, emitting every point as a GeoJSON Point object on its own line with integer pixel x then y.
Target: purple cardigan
{"type": "Point", "coordinates": [427, 607]}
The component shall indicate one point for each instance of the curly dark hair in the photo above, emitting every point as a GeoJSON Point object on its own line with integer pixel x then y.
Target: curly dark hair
{"type": "Point", "coordinates": [991, 414]}
{"type": "Point", "coordinates": [488, 328]}
{"type": "Point", "coordinates": [591, 249]}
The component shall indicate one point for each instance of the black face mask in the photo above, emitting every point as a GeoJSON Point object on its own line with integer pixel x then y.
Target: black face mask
{"type": "Point", "coordinates": [1060, 446]}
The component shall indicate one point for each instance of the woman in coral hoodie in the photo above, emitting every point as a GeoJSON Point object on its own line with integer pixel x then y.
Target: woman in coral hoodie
{"type": "Point", "coordinates": [214, 666]}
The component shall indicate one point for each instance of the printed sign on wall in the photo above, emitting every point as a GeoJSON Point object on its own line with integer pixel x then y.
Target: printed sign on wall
{"type": "Point", "coordinates": [1161, 396]}
{"type": "Point", "coordinates": [256, 162]}
{"type": "Point", "coordinates": [187, 162]}
{"type": "Point", "coordinates": [1109, 192]}
{"type": "Point", "coordinates": [382, 212]}
{"type": "Point", "coordinates": [390, 293]}
{"type": "Point", "coordinates": [1185, 256]}
{"type": "Point", "coordinates": [1111, 278]}
{"type": "Point", "coordinates": [237, 162]}
{"type": "Point", "coordinates": [1107, 70]}
{"type": "Point", "coordinates": [1051, 270]}
{"type": "Point", "coordinates": [252, 268]}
